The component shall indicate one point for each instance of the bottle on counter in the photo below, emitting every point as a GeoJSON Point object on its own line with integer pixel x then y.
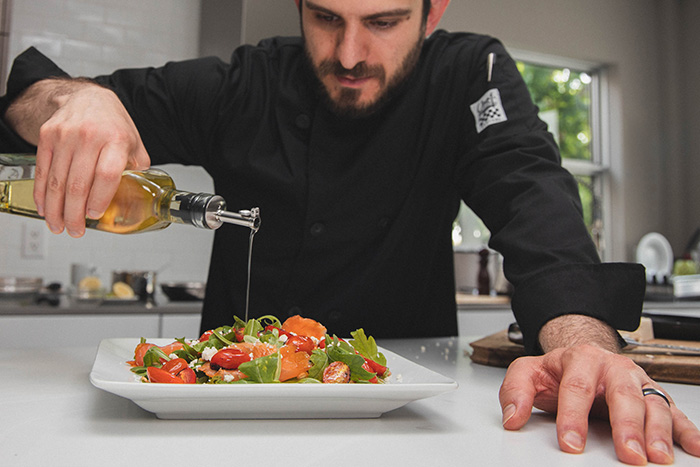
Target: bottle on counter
{"type": "Point", "coordinates": [146, 200]}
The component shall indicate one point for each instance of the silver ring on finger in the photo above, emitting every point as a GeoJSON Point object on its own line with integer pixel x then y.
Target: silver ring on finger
{"type": "Point", "coordinates": [655, 392]}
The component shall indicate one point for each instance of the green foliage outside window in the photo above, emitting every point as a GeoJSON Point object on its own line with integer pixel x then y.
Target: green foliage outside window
{"type": "Point", "coordinates": [564, 100]}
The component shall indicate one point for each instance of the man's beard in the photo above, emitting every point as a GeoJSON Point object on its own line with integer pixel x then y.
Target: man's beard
{"type": "Point", "coordinates": [346, 104]}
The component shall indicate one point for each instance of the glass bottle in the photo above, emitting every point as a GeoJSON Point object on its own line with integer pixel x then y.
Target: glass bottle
{"type": "Point", "coordinates": [146, 200]}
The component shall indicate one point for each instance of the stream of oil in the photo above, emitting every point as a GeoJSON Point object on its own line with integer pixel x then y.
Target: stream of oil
{"type": "Point", "coordinates": [250, 258]}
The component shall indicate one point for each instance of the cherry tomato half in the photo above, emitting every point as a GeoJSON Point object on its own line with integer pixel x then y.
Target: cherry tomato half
{"type": "Point", "coordinates": [205, 337]}
{"type": "Point", "coordinates": [159, 375]}
{"type": "Point", "coordinates": [230, 358]}
{"type": "Point", "coordinates": [188, 376]}
{"type": "Point", "coordinates": [175, 366]}
{"type": "Point", "coordinates": [375, 367]}
{"type": "Point", "coordinates": [302, 343]}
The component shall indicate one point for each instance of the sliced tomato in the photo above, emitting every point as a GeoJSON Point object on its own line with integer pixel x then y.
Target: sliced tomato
{"type": "Point", "coordinates": [205, 337]}
{"type": "Point", "coordinates": [159, 375]}
{"type": "Point", "coordinates": [230, 358]}
{"type": "Point", "coordinates": [175, 366]}
{"type": "Point", "coordinates": [367, 367]}
{"type": "Point", "coordinates": [188, 376]}
{"type": "Point", "coordinates": [302, 343]}
{"type": "Point", "coordinates": [375, 367]}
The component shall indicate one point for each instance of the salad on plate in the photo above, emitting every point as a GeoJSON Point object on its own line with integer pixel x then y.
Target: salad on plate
{"type": "Point", "coordinates": [263, 350]}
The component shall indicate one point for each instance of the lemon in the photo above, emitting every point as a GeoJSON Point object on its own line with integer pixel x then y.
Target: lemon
{"type": "Point", "coordinates": [123, 290]}
{"type": "Point", "coordinates": [90, 283]}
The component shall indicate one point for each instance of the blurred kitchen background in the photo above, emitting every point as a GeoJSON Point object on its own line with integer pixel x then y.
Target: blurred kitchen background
{"type": "Point", "coordinates": [644, 50]}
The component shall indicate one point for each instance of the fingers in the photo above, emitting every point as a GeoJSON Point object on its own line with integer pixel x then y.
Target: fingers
{"type": "Point", "coordinates": [577, 391]}
{"type": "Point", "coordinates": [658, 429]}
{"type": "Point", "coordinates": [685, 433]}
{"type": "Point", "coordinates": [577, 382]}
{"type": "Point", "coordinates": [83, 149]}
{"type": "Point", "coordinates": [523, 381]}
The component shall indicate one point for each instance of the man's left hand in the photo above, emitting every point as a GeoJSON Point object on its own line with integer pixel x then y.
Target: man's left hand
{"type": "Point", "coordinates": [576, 381]}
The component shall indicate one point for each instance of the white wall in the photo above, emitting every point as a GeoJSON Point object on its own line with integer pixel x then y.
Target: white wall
{"type": "Point", "coordinates": [90, 37]}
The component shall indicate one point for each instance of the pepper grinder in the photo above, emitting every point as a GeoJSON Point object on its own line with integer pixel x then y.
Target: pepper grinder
{"type": "Point", "coordinates": [484, 281]}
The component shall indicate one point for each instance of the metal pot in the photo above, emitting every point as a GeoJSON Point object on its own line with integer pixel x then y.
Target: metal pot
{"type": "Point", "coordinates": [19, 290]}
{"type": "Point", "coordinates": [184, 291]}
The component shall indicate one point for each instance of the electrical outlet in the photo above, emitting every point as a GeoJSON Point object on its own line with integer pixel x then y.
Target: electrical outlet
{"type": "Point", "coordinates": [34, 240]}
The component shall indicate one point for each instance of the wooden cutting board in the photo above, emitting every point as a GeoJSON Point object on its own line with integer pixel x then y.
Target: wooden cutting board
{"type": "Point", "coordinates": [497, 350]}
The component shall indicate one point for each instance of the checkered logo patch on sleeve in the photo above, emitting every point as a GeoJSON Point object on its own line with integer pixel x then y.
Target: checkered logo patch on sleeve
{"type": "Point", "coordinates": [488, 110]}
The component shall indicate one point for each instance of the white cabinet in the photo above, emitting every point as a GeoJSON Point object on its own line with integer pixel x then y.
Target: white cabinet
{"type": "Point", "coordinates": [180, 325]}
{"type": "Point", "coordinates": [475, 321]}
{"type": "Point", "coordinates": [47, 331]}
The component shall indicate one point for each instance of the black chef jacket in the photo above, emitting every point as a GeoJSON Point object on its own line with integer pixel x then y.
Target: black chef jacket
{"type": "Point", "coordinates": [357, 214]}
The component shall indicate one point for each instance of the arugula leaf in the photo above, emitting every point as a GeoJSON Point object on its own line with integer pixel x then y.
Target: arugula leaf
{"type": "Point", "coordinates": [187, 352]}
{"type": "Point", "coordinates": [139, 370]}
{"type": "Point", "coordinates": [272, 338]}
{"type": "Point", "coordinates": [341, 353]}
{"type": "Point", "coordinates": [153, 355]}
{"type": "Point", "coordinates": [367, 346]}
{"type": "Point", "coordinates": [264, 369]}
{"type": "Point", "coordinates": [238, 322]}
{"type": "Point", "coordinates": [319, 362]}
{"type": "Point", "coordinates": [215, 334]}
{"type": "Point", "coordinates": [252, 328]}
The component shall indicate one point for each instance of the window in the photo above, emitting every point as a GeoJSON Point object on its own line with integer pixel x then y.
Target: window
{"type": "Point", "coordinates": [570, 96]}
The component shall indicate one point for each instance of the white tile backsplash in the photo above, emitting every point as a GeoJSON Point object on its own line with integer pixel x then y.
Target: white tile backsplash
{"type": "Point", "coordinates": [91, 37]}
{"type": "Point", "coordinates": [104, 33]}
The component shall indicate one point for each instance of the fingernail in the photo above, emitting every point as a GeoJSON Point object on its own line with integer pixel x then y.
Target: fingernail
{"type": "Point", "coordinates": [40, 210]}
{"type": "Point", "coordinates": [573, 440]}
{"type": "Point", "coordinates": [634, 446]}
{"type": "Point", "coordinates": [92, 214]}
{"type": "Point", "coordinates": [508, 413]}
{"type": "Point", "coordinates": [74, 234]}
{"type": "Point", "coordinates": [662, 447]}
{"type": "Point", "coordinates": [54, 229]}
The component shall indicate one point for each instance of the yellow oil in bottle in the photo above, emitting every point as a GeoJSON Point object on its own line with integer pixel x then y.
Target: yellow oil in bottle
{"type": "Point", "coordinates": [16, 197]}
{"type": "Point", "coordinates": [140, 204]}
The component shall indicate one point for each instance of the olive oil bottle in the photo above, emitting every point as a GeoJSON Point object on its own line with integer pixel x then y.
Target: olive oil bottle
{"type": "Point", "coordinates": [146, 200]}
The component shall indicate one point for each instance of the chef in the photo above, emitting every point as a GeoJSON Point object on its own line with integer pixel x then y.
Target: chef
{"type": "Point", "coordinates": [358, 141]}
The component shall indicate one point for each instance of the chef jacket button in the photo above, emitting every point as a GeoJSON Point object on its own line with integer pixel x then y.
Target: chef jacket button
{"type": "Point", "coordinates": [303, 122]}
{"type": "Point", "coordinates": [383, 222]}
{"type": "Point", "coordinates": [317, 229]}
{"type": "Point", "coordinates": [295, 310]}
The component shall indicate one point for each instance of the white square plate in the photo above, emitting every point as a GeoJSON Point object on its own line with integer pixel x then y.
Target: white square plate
{"type": "Point", "coordinates": [409, 382]}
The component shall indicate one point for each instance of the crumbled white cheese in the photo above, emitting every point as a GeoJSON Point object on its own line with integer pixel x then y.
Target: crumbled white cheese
{"type": "Point", "coordinates": [172, 356]}
{"type": "Point", "coordinates": [283, 338]}
{"type": "Point", "coordinates": [228, 378]}
{"type": "Point", "coordinates": [208, 353]}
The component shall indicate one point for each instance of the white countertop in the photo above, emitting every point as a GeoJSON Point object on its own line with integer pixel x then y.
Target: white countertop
{"type": "Point", "coordinates": [50, 414]}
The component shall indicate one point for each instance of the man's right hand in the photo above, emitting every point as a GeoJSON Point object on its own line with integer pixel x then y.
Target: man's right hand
{"type": "Point", "coordinates": [85, 139]}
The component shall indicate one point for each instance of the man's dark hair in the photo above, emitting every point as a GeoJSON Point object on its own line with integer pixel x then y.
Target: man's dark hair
{"type": "Point", "coordinates": [426, 8]}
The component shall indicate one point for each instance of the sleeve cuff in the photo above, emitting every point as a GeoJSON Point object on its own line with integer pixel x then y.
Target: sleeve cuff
{"type": "Point", "coordinates": [28, 68]}
{"type": "Point", "coordinates": [610, 292]}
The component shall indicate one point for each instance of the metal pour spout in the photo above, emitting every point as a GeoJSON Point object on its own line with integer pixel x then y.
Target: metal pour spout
{"type": "Point", "coordinates": [246, 218]}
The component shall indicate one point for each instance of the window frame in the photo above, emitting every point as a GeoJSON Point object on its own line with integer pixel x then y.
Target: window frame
{"type": "Point", "coordinates": [599, 167]}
